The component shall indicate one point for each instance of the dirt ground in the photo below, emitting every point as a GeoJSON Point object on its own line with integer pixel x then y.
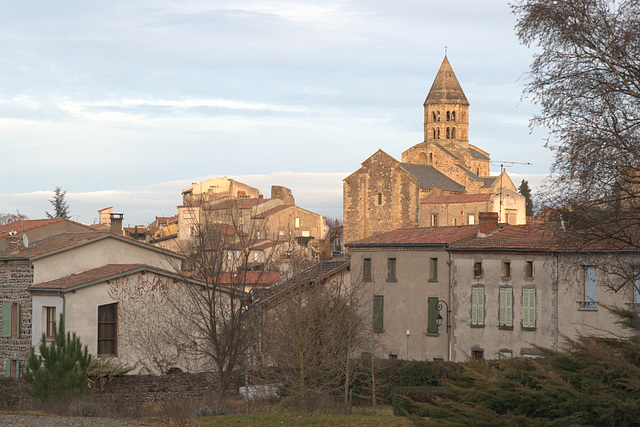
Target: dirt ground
{"type": "Point", "coordinates": [20, 420]}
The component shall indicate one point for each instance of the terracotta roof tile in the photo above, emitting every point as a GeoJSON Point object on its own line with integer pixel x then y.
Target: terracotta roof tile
{"type": "Point", "coordinates": [419, 236]}
{"type": "Point", "coordinates": [517, 237]}
{"type": "Point", "coordinates": [248, 278]}
{"type": "Point", "coordinates": [30, 224]}
{"type": "Point", "coordinates": [100, 273]}
{"type": "Point", "coordinates": [54, 243]}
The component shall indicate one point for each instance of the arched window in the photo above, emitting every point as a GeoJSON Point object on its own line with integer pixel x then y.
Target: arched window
{"type": "Point", "coordinates": [430, 157]}
{"type": "Point", "coordinates": [438, 116]}
{"type": "Point", "coordinates": [422, 158]}
{"type": "Point", "coordinates": [434, 133]}
{"type": "Point", "coordinates": [448, 133]}
{"type": "Point", "coordinates": [453, 133]}
{"type": "Point", "coordinates": [448, 116]}
{"type": "Point", "coordinates": [438, 134]}
{"type": "Point", "coordinates": [434, 115]}
{"type": "Point", "coordinates": [453, 116]}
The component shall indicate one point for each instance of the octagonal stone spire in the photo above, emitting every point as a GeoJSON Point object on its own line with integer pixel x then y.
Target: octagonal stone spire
{"type": "Point", "coordinates": [445, 88]}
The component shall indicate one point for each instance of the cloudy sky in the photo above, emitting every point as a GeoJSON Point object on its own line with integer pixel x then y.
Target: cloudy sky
{"type": "Point", "coordinates": [125, 103]}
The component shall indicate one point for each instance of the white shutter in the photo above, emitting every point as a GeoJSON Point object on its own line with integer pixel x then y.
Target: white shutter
{"type": "Point", "coordinates": [590, 286]}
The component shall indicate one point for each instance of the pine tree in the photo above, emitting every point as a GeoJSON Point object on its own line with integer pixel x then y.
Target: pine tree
{"type": "Point", "coordinates": [61, 367]}
{"type": "Point", "coordinates": [60, 205]}
{"type": "Point", "coordinates": [526, 192]}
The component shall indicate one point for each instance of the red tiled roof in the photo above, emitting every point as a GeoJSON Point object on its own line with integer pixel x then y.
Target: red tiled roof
{"type": "Point", "coordinates": [67, 240]}
{"type": "Point", "coordinates": [248, 278]}
{"type": "Point", "coordinates": [253, 202]}
{"type": "Point", "coordinates": [54, 243]}
{"type": "Point", "coordinates": [419, 236]}
{"type": "Point", "coordinates": [517, 237]}
{"type": "Point", "coordinates": [459, 198]}
{"type": "Point", "coordinates": [255, 244]}
{"type": "Point", "coordinates": [100, 273]}
{"type": "Point", "coordinates": [273, 211]}
{"type": "Point", "coordinates": [140, 229]}
{"type": "Point", "coordinates": [30, 224]}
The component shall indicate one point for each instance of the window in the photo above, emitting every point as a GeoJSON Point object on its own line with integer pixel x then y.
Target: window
{"type": "Point", "coordinates": [391, 269]}
{"type": "Point", "coordinates": [471, 219]}
{"type": "Point", "coordinates": [528, 308]}
{"type": "Point", "coordinates": [477, 306]}
{"type": "Point", "coordinates": [10, 319]}
{"type": "Point", "coordinates": [378, 313]}
{"type": "Point", "coordinates": [505, 354]}
{"type": "Point", "coordinates": [438, 117]}
{"type": "Point", "coordinates": [506, 269]}
{"type": "Point", "coordinates": [433, 270]}
{"type": "Point", "coordinates": [448, 116]}
{"type": "Point", "coordinates": [477, 269]}
{"type": "Point", "coordinates": [506, 307]}
{"type": "Point", "coordinates": [379, 198]}
{"type": "Point", "coordinates": [434, 220]}
{"type": "Point", "coordinates": [438, 133]}
{"type": "Point", "coordinates": [477, 354]}
{"type": "Point", "coordinates": [107, 330]}
{"type": "Point", "coordinates": [528, 269]}
{"type": "Point", "coordinates": [511, 216]}
{"type": "Point", "coordinates": [366, 269]}
{"type": "Point", "coordinates": [453, 133]}
{"type": "Point", "coordinates": [448, 133]}
{"type": "Point", "coordinates": [12, 368]}
{"type": "Point", "coordinates": [50, 320]}
{"type": "Point", "coordinates": [296, 222]}
{"type": "Point", "coordinates": [306, 233]}
{"type": "Point", "coordinates": [453, 116]}
{"type": "Point", "coordinates": [590, 287]}
{"type": "Point", "coordinates": [455, 220]}
{"type": "Point", "coordinates": [432, 326]}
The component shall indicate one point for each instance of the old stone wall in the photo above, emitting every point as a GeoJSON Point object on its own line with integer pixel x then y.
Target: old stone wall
{"type": "Point", "coordinates": [379, 197]}
{"type": "Point", "coordinates": [131, 391]}
{"type": "Point", "coordinates": [15, 276]}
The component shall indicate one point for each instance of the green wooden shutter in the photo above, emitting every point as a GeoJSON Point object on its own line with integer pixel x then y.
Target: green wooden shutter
{"type": "Point", "coordinates": [529, 308]}
{"type": "Point", "coordinates": [477, 306]}
{"type": "Point", "coordinates": [378, 313]}
{"type": "Point", "coordinates": [474, 306]}
{"type": "Point", "coordinates": [17, 319]}
{"type": "Point", "coordinates": [6, 319]}
{"type": "Point", "coordinates": [508, 307]}
{"type": "Point", "coordinates": [480, 306]}
{"type": "Point", "coordinates": [432, 326]}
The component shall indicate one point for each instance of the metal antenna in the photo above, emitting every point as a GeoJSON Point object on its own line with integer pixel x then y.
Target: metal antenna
{"type": "Point", "coordinates": [504, 164]}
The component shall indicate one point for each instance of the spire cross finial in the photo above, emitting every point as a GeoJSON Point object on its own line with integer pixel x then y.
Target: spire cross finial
{"type": "Point", "coordinates": [445, 50]}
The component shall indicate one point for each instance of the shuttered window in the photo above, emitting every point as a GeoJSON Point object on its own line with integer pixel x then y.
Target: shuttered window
{"type": "Point", "coordinates": [590, 287]}
{"type": "Point", "coordinates": [506, 307]}
{"type": "Point", "coordinates": [378, 313]}
{"type": "Point", "coordinates": [10, 319]}
{"type": "Point", "coordinates": [432, 326]}
{"type": "Point", "coordinates": [107, 330]}
{"type": "Point", "coordinates": [477, 306]}
{"type": "Point", "coordinates": [528, 308]}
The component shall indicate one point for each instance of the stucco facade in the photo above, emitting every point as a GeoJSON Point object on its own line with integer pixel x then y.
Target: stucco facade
{"type": "Point", "coordinates": [509, 289]}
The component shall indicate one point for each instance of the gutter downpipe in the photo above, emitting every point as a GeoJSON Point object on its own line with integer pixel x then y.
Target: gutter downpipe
{"type": "Point", "coordinates": [449, 323]}
{"type": "Point", "coordinates": [557, 292]}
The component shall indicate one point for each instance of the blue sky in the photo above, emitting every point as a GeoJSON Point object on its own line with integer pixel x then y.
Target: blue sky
{"type": "Point", "coordinates": [125, 103]}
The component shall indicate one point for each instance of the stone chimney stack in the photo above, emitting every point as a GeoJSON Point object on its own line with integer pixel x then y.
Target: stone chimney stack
{"type": "Point", "coordinates": [116, 223]}
{"type": "Point", "coordinates": [488, 222]}
{"type": "Point", "coordinates": [14, 242]}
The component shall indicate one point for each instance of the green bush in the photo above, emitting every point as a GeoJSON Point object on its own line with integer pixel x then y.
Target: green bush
{"type": "Point", "coordinates": [61, 367]}
{"type": "Point", "coordinates": [405, 399]}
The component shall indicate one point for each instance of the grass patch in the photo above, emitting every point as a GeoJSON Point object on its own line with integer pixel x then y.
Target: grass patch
{"type": "Point", "coordinates": [291, 419]}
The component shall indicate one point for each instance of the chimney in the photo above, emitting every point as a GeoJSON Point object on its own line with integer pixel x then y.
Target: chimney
{"type": "Point", "coordinates": [14, 242]}
{"type": "Point", "coordinates": [116, 223]}
{"type": "Point", "coordinates": [488, 222]}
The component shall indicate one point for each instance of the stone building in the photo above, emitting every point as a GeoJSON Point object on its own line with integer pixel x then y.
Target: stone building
{"type": "Point", "coordinates": [386, 194]}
